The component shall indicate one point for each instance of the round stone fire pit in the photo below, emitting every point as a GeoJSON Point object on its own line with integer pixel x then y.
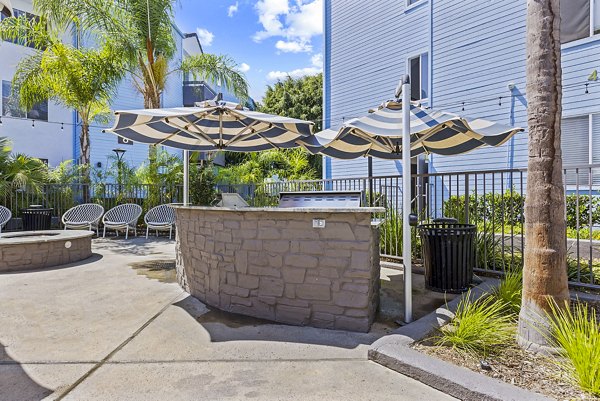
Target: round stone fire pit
{"type": "Point", "coordinates": [28, 250]}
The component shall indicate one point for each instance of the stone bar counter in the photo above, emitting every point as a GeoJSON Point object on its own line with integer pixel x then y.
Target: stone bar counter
{"type": "Point", "coordinates": [301, 266]}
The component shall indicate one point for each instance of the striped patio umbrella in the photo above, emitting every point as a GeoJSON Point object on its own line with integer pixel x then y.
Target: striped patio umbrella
{"type": "Point", "coordinates": [212, 126]}
{"type": "Point", "coordinates": [379, 134]}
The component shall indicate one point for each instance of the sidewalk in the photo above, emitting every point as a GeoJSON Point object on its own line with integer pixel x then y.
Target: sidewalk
{"type": "Point", "coordinates": [105, 331]}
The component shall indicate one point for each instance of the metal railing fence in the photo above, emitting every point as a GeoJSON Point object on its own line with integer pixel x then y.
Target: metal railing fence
{"type": "Point", "coordinates": [61, 197]}
{"type": "Point", "coordinates": [492, 200]}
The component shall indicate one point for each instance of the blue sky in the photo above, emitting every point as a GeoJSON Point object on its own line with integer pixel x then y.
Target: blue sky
{"type": "Point", "coordinates": [267, 38]}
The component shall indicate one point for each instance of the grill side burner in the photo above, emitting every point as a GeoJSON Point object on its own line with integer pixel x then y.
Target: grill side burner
{"type": "Point", "coordinates": [324, 199]}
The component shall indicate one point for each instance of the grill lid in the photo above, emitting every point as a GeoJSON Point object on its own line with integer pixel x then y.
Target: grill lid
{"type": "Point", "coordinates": [324, 199]}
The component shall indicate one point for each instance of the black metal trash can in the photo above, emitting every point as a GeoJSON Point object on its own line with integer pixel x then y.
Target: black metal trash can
{"type": "Point", "coordinates": [448, 255]}
{"type": "Point", "coordinates": [36, 218]}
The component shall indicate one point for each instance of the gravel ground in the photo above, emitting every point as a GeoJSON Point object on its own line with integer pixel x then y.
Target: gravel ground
{"type": "Point", "coordinates": [524, 369]}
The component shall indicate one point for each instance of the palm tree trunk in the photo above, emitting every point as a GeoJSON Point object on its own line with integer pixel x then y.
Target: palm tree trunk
{"type": "Point", "coordinates": [84, 147]}
{"type": "Point", "coordinates": [84, 159]}
{"type": "Point", "coordinates": [544, 273]}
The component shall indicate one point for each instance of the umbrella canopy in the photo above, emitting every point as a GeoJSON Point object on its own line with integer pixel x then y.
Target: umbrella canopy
{"type": "Point", "coordinates": [212, 126]}
{"type": "Point", "coordinates": [379, 134]}
{"type": "Point", "coordinates": [6, 8]}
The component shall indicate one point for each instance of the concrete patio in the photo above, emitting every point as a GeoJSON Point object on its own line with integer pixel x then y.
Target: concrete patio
{"type": "Point", "coordinates": [112, 327]}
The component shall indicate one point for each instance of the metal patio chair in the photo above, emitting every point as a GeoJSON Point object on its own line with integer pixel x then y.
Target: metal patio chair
{"type": "Point", "coordinates": [122, 217]}
{"type": "Point", "coordinates": [160, 218]}
{"type": "Point", "coordinates": [5, 216]}
{"type": "Point", "coordinates": [83, 216]}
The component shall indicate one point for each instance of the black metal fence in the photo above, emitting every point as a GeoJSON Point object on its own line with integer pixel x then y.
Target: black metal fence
{"type": "Point", "coordinates": [492, 200]}
{"type": "Point", "coordinates": [61, 197]}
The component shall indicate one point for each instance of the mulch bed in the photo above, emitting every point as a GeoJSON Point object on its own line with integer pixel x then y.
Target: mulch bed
{"type": "Point", "coordinates": [515, 366]}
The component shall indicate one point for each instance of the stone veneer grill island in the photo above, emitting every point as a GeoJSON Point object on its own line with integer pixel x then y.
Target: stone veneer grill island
{"type": "Point", "coordinates": [271, 263]}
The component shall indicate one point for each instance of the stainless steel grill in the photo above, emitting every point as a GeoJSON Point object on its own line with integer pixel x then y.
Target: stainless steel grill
{"type": "Point", "coordinates": [325, 199]}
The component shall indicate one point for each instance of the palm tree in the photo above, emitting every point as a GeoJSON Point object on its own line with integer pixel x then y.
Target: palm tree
{"type": "Point", "coordinates": [79, 79]}
{"type": "Point", "coordinates": [545, 272]}
{"type": "Point", "coordinates": [18, 171]}
{"type": "Point", "coordinates": [142, 30]}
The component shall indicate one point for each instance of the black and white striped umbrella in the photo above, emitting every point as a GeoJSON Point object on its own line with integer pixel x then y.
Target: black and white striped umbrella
{"type": "Point", "coordinates": [212, 126]}
{"type": "Point", "coordinates": [379, 134]}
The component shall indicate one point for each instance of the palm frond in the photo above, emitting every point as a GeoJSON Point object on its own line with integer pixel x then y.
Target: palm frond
{"type": "Point", "coordinates": [219, 69]}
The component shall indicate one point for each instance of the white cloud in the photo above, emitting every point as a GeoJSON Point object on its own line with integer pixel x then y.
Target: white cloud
{"type": "Point", "coordinates": [317, 60]}
{"type": "Point", "coordinates": [244, 67]}
{"type": "Point", "coordinates": [293, 46]}
{"type": "Point", "coordinates": [206, 37]}
{"type": "Point", "coordinates": [297, 24]}
{"type": "Point", "coordinates": [306, 21]}
{"type": "Point", "coordinates": [268, 16]}
{"type": "Point", "coordinates": [274, 76]}
{"type": "Point", "coordinates": [232, 9]}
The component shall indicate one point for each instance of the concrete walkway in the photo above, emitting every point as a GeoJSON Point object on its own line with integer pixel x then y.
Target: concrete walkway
{"type": "Point", "coordinates": [102, 330]}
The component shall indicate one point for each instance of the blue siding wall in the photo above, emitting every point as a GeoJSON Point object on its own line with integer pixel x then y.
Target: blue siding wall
{"type": "Point", "coordinates": [367, 45]}
{"type": "Point", "coordinates": [476, 49]}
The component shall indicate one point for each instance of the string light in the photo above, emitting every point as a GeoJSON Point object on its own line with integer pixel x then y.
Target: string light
{"type": "Point", "coordinates": [459, 103]}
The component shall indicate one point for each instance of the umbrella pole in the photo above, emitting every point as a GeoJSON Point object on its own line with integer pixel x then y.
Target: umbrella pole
{"type": "Point", "coordinates": [186, 177]}
{"type": "Point", "coordinates": [406, 195]}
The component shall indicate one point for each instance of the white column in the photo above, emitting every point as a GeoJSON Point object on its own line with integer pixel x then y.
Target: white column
{"type": "Point", "coordinates": [186, 177]}
{"type": "Point", "coordinates": [406, 199]}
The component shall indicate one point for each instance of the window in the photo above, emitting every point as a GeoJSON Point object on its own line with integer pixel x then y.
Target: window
{"type": "Point", "coordinates": [411, 2]}
{"type": "Point", "coordinates": [11, 108]}
{"type": "Point", "coordinates": [575, 138]}
{"type": "Point", "coordinates": [418, 69]}
{"type": "Point", "coordinates": [19, 13]}
{"type": "Point", "coordinates": [580, 19]}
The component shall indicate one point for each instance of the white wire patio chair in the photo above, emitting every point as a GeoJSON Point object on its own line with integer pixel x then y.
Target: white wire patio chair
{"type": "Point", "coordinates": [5, 216]}
{"type": "Point", "coordinates": [83, 216]}
{"type": "Point", "coordinates": [122, 217]}
{"type": "Point", "coordinates": [160, 218]}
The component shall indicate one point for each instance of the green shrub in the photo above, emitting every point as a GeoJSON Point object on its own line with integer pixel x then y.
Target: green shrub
{"type": "Point", "coordinates": [509, 209]}
{"type": "Point", "coordinates": [583, 272]}
{"type": "Point", "coordinates": [510, 291]}
{"type": "Point", "coordinates": [491, 255]}
{"type": "Point", "coordinates": [202, 185]}
{"type": "Point", "coordinates": [576, 334]}
{"type": "Point", "coordinates": [495, 208]}
{"type": "Point", "coordinates": [480, 327]}
{"type": "Point", "coordinates": [583, 210]}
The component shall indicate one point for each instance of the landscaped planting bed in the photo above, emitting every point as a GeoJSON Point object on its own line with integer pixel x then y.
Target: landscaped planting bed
{"type": "Point", "coordinates": [513, 365]}
{"type": "Point", "coordinates": [482, 337]}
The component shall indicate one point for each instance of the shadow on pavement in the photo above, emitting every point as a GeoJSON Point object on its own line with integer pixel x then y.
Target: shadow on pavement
{"type": "Point", "coordinates": [225, 326]}
{"type": "Point", "coordinates": [15, 383]}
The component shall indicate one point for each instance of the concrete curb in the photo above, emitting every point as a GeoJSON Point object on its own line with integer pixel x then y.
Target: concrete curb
{"type": "Point", "coordinates": [394, 352]}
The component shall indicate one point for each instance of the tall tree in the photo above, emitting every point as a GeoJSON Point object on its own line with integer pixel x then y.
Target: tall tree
{"type": "Point", "coordinates": [298, 98]}
{"type": "Point", "coordinates": [545, 273]}
{"type": "Point", "coordinates": [143, 31]}
{"type": "Point", "coordinates": [79, 79]}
